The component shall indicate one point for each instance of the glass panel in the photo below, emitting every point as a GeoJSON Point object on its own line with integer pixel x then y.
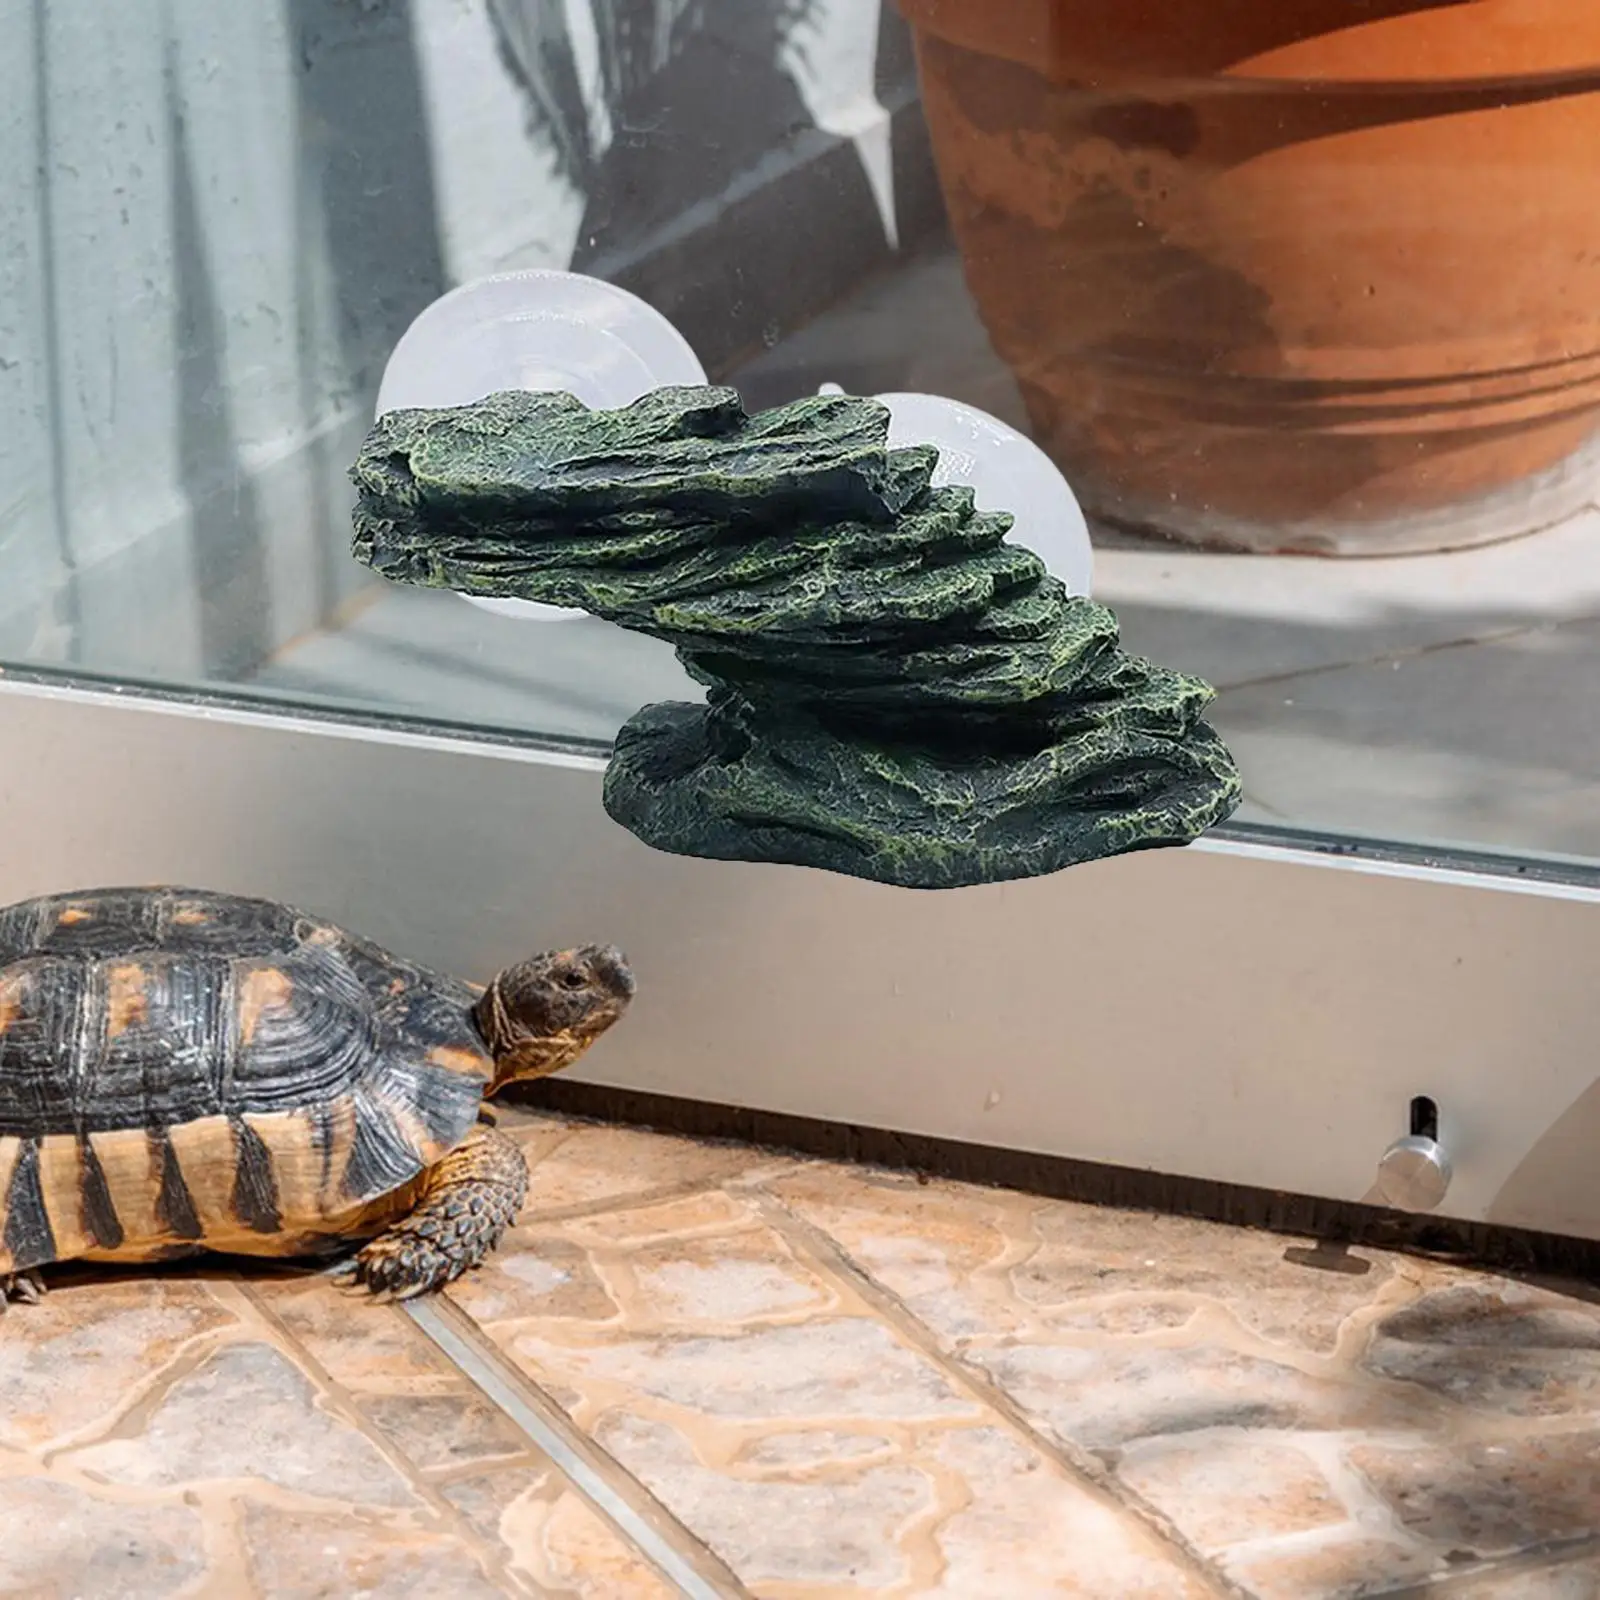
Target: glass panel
{"type": "Point", "coordinates": [1304, 303]}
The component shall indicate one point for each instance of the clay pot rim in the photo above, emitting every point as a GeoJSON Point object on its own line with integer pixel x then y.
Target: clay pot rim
{"type": "Point", "coordinates": [985, 34]}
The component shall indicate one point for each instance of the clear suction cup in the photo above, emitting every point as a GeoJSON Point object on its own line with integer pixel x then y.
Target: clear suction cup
{"type": "Point", "coordinates": [539, 330]}
{"type": "Point", "coordinates": [1005, 470]}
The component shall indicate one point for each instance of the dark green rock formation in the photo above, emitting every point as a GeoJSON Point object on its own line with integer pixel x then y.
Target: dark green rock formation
{"type": "Point", "coordinates": [893, 691]}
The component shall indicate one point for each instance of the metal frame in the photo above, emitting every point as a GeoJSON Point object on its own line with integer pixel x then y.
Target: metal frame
{"type": "Point", "coordinates": [1244, 1011]}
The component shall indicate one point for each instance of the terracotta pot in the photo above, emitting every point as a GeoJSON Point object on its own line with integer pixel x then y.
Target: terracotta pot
{"type": "Point", "coordinates": [1272, 278]}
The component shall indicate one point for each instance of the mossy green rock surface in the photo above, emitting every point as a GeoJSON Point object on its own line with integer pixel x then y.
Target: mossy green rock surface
{"type": "Point", "coordinates": [894, 691]}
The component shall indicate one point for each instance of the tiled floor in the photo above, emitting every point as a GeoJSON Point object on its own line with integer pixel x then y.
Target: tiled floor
{"type": "Point", "coordinates": [703, 1370]}
{"type": "Point", "coordinates": [1441, 699]}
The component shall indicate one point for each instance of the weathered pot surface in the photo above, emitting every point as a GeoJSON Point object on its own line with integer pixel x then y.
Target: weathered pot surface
{"type": "Point", "coordinates": [1272, 281]}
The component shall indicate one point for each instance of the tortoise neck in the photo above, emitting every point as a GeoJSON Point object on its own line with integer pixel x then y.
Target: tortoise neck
{"type": "Point", "coordinates": [516, 1055]}
{"type": "Point", "coordinates": [490, 1019]}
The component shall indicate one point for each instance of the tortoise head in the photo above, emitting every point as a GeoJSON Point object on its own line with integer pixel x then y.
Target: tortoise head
{"type": "Point", "coordinates": [541, 1015]}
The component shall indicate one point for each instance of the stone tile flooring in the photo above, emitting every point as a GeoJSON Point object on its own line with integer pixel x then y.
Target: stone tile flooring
{"type": "Point", "coordinates": [706, 1370]}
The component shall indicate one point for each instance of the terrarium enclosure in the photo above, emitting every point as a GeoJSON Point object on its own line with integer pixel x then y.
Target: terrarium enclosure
{"type": "Point", "coordinates": [1364, 330]}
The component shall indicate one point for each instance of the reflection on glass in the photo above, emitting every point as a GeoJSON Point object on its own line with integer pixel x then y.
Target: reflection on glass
{"type": "Point", "coordinates": [1306, 308]}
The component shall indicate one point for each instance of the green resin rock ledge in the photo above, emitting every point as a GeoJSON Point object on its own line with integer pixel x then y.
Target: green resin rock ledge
{"type": "Point", "coordinates": [893, 690]}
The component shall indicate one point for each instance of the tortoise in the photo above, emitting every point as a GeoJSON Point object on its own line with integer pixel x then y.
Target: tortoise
{"type": "Point", "coordinates": [183, 1071]}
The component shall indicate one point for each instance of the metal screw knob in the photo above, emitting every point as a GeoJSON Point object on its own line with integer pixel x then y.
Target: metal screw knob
{"type": "Point", "coordinates": [1413, 1174]}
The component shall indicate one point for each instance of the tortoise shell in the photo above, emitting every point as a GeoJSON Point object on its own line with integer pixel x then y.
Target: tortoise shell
{"type": "Point", "coordinates": [182, 1070]}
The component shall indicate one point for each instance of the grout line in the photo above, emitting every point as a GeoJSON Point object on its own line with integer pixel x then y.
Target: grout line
{"type": "Point", "coordinates": [1080, 1464]}
{"type": "Point", "coordinates": [553, 1431]}
{"type": "Point", "coordinates": [341, 1402]}
{"type": "Point", "coordinates": [534, 1215]}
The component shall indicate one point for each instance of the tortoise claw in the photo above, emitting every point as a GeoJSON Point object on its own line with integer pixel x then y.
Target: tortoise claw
{"type": "Point", "coordinates": [352, 1273]}
{"type": "Point", "coordinates": [26, 1287]}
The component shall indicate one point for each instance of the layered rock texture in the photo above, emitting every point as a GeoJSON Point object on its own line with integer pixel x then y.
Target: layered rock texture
{"type": "Point", "coordinates": [894, 691]}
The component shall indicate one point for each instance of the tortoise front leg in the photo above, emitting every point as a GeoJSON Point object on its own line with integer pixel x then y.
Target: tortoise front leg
{"type": "Point", "coordinates": [27, 1287]}
{"type": "Point", "coordinates": [469, 1199]}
